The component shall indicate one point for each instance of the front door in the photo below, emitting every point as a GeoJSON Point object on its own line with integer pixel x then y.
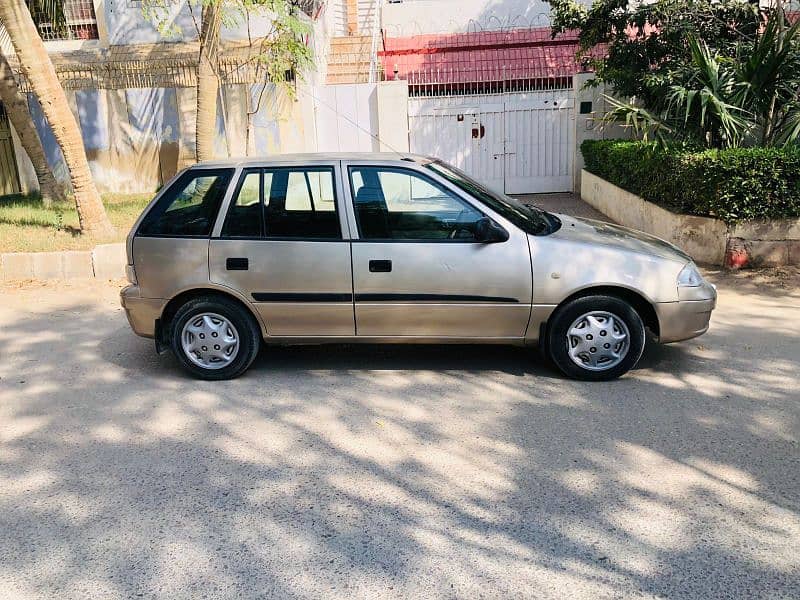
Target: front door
{"type": "Point", "coordinates": [281, 244]}
{"type": "Point", "coordinates": [417, 269]}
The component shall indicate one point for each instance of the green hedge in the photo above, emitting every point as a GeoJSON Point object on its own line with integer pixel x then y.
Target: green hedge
{"type": "Point", "coordinates": [732, 185]}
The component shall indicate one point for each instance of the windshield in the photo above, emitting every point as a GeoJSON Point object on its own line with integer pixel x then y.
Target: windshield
{"type": "Point", "coordinates": [528, 218]}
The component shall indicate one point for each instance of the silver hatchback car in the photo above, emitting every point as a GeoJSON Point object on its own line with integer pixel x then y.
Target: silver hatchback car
{"type": "Point", "coordinates": [387, 248]}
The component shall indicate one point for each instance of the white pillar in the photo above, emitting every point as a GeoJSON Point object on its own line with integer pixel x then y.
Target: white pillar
{"type": "Point", "coordinates": [393, 116]}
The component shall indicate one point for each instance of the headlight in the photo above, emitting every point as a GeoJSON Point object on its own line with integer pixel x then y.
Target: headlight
{"type": "Point", "coordinates": [690, 276]}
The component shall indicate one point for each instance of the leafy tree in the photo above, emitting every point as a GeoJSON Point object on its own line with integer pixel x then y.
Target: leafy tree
{"type": "Point", "coordinates": [704, 72]}
{"type": "Point", "coordinates": [276, 58]}
{"type": "Point", "coordinates": [637, 47]}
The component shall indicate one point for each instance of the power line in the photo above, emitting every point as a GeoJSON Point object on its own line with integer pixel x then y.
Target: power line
{"type": "Point", "coordinates": [349, 120]}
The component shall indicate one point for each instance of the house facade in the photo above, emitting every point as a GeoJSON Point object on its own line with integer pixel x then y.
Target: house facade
{"type": "Point", "coordinates": [479, 83]}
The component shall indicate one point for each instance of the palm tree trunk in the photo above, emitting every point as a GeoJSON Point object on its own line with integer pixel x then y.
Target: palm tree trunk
{"type": "Point", "coordinates": [769, 121]}
{"type": "Point", "coordinates": [208, 81]}
{"type": "Point", "coordinates": [36, 66]}
{"type": "Point", "coordinates": [18, 113]}
{"type": "Point", "coordinates": [769, 125]}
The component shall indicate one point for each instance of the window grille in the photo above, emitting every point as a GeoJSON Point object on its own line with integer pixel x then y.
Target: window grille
{"type": "Point", "coordinates": [456, 82]}
{"type": "Point", "coordinates": [65, 20]}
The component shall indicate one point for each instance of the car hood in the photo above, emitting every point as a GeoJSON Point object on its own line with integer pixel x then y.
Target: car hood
{"type": "Point", "coordinates": [589, 231]}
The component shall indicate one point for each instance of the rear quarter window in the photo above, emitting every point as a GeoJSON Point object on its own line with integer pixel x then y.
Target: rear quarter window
{"type": "Point", "coordinates": [189, 207]}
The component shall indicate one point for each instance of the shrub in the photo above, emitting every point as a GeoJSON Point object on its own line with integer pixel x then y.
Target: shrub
{"type": "Point", "coordinates": [733, 184]}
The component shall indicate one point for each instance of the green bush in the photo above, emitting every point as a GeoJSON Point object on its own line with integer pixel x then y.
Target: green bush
{"type": "Point", "coordinates": [733, 185]}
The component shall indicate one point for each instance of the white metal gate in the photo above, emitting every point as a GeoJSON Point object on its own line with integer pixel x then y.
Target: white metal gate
{"type": "Point", "coordinates": [517, 143]}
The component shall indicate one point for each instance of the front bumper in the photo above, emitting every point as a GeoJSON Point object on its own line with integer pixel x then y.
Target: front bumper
{"type": "Point", "coordinates": [687, 318]}
{"type": "Point", "coordinates": [141, 312]}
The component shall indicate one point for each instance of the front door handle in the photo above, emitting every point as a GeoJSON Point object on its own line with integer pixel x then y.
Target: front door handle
{"type": "Point", "coordinates": [380, 266]}
{"type": "Point", "coordinates": [237, 264]}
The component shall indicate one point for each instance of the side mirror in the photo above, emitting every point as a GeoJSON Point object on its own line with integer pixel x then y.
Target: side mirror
{"type": "Point", "coordinates": [489, 232]}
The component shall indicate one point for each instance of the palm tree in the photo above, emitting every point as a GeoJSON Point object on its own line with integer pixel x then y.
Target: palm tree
{"type": "Point", "coordinates": [17, 109]}
{"type": "Point", "coordinates": [208, 80]}
{"type": "Point", "coordinates": [36, 66]}
{"type": "Point", "coordinates": [750, 99]}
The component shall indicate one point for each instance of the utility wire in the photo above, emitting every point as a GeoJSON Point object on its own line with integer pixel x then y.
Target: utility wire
{"type": "Point", "coordinates": [348, 119]}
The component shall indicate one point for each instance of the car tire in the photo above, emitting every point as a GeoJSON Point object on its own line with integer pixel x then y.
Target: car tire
{"type": "Point", "coordinates": [230, 336]}
{"type": "Point", "coordinates": [595, 338]}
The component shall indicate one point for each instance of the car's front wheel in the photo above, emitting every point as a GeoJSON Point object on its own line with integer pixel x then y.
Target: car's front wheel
{"type": "Point", "coordinates": [214, 338]}
{"type": "Point", "coordinates": [595, 338]}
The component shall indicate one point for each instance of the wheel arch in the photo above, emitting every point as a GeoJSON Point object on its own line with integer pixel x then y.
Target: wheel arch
{"type": "Point", "coordinates": [643, 306]}
{"type": "Point", "coordinates": [174, 304]}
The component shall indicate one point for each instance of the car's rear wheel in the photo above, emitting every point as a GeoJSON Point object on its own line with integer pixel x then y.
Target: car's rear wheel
{"type": "Point", "coordinates": [596, 338]}
{"type": "Point", "coordinates": [214, 338]}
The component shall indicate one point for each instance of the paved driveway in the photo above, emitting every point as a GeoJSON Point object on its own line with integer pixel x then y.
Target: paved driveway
{"type": "Point", "coordinates": [341, 472]}
{"type": "Point", "coordinates": [566, 203]}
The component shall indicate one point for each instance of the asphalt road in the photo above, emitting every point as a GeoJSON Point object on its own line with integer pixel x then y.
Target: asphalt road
{"type": "Point", "coordinates": [417, 472]}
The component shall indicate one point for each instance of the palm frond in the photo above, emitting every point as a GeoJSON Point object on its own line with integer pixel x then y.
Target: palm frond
{"type": "Point", "coordinates": [789, 131]}
{"type": "Point", "coordinates": [642, 122]}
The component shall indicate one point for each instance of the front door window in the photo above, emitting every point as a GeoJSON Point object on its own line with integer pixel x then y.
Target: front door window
{"type": "Point", "coordinates": [400, 204]}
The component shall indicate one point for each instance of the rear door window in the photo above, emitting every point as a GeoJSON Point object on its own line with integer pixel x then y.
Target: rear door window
{"type": "Point", "coordinates": [292, 202]}
{"type": "Point", "coordinates": [245, 214]}
{"type": "Point", "coordinates": [189, 207]}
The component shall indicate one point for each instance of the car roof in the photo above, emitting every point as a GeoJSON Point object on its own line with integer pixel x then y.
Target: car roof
{"type": "Point", "coordinates": [312, 157]}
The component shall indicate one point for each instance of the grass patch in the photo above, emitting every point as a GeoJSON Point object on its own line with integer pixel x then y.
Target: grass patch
{"type": "Point", "coordinates": [27, 226]}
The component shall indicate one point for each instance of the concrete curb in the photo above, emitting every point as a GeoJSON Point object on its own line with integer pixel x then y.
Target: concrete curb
{"type": "Point", "coordinates": [109, 261]}
{"type": "Point", "coordinates": [106, 261]}
{"type": "Point", "coordinates": [706, 240]}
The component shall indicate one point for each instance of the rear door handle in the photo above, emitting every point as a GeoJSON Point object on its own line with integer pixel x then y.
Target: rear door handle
{"type": "Point", "coordinates": [380, 266]}
{"type": "Point", "coordinates": [237, 264]}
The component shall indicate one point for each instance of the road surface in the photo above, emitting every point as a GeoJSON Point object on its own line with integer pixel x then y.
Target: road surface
{"type": "Point", "coordinates": [386, 472]}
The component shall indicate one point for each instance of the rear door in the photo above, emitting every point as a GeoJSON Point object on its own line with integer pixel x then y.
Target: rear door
{"type": "Point", "coordinates": [282, 244]}
{"type": "Point", "coordinates": [417, 268]}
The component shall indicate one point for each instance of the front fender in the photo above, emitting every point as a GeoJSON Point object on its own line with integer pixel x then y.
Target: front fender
{"type": "Point", "coordinates": [562, 268]}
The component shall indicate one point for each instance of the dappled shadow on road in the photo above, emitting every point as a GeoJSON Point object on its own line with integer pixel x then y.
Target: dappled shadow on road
{"type": "Point", "coordinates": [349, 471]}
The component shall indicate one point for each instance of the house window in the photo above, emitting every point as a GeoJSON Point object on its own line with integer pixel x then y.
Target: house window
{"type": "Point", "coordinates": [311, 7]}
{"type": "Point", "coordinates": [64, 20]}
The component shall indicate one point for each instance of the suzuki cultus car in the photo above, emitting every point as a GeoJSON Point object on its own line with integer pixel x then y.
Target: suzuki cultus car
{"type": "Point", "coordinates": [386, 248]}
